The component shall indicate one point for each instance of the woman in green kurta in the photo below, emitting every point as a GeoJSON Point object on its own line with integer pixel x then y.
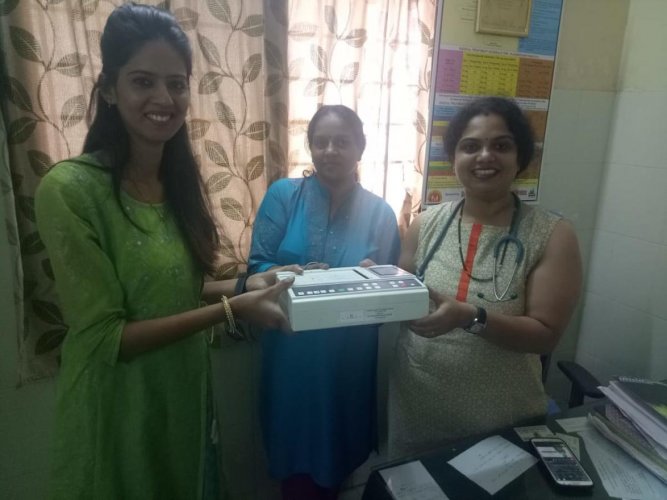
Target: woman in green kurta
{"type": "Point", "coordinates": [130, 237]}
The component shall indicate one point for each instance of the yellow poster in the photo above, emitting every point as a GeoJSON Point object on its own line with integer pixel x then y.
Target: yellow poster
{"type": "Point", "coordinates": [487, 74]}
{"type": "Point", "coordinates": [470, 64]}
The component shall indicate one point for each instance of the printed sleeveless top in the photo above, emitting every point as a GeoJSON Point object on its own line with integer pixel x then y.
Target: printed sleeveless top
{"type": "Point", "coordinates": [459, 384]}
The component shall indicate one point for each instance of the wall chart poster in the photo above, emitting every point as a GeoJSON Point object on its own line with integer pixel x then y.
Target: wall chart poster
{"type": "Point", "coordinates": [469, 65]}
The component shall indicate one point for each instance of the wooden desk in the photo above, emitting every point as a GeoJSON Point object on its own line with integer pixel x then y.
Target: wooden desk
{"type": "Point", "coordinates": [534, 484]}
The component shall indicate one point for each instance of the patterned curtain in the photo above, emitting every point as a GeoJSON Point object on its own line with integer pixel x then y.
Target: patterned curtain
{"type": "Point", "coordinates": [374, 56]}
{"type": "Point", "coordinates": [13, 281]}
{"type": "Point", "coordinates": [51, 57]}
{"type": "Point", "coordinates": [261, 69]}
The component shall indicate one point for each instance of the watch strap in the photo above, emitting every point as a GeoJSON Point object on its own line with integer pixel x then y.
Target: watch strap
{"type": "Point", "coordinates": [241, 284]}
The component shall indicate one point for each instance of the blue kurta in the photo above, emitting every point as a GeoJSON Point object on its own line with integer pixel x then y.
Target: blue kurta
{"type": "Point", "coordinates": [318, 387]}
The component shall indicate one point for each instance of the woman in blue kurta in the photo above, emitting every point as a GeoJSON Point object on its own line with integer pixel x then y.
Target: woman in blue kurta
{"type": "Point", "coordinates": [318, 387]}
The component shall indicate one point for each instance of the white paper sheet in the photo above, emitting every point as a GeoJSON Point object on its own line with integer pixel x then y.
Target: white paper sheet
{"type": "Point", "coordinates": [574, 424]}
{"type": "Point", "coordinates": [572, 442]}
{"type": "Point", "coordinates": [318, 276]}
{"type": "Point", "coordinates": [621, 476]}
{"type": "Point", "coordinates": [533, 431]}
{"type": "Point", "coordinates": [412, 481]}
{"type": "Point", "coordinates": [493, 463]}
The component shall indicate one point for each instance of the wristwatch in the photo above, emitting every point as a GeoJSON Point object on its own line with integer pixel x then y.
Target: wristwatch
{"type": "Point", "coordinates": [478, 323]}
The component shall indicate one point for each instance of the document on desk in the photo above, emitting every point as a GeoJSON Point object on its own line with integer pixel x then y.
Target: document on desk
{"type": "Point", "coordinates": [412, 481]}
{"type": "Point", "coordinates": [572, 442]}
{"type": "Point", "coordinates": [533, 431]}
{"type": "Point", "coordinates": [493, 463]}
{"type": "Point", "coordinates": [574, 424]}
{"type": "Point", "coordinates": [621, 476]}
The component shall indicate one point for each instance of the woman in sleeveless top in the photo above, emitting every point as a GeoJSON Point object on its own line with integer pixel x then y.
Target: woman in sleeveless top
{"type": "Point", "coordinates": [504, 280]}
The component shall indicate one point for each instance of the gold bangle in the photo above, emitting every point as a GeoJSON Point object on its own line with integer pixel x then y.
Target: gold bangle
{"type": "Point", "coordinates": [230, 325]}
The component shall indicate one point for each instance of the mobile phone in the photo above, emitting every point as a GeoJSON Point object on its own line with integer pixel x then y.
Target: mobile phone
{"type": "Point", "coordinates": [561, 463]}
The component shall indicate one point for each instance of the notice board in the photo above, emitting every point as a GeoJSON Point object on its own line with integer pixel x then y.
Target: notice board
{"type": "Point", "coordinates": [468, 65]}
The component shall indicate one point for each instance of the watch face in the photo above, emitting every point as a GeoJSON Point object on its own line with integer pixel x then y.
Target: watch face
{"type": "Point", "coordinates": [479, 323]}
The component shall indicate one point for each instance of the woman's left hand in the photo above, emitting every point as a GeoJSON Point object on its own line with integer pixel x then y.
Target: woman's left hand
{"type": "Point", "coordinates": [261, 307]}
{"type": "Point", "coordinates": [447, 315]}
{"type": "Point", "coordinates": [260, 281]}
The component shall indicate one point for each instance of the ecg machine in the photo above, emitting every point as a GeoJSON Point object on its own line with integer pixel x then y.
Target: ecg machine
{"type": "Point", "coordinates": [348, 296]}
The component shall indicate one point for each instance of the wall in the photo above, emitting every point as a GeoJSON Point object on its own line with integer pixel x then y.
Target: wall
{"type": "Point", "coordinates": [582, 104]}
{"type": "Point", "coordinates": [624, 320]}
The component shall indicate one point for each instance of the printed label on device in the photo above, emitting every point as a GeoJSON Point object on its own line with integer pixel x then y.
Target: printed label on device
{"type": "Point", "coordinates": [383, 314]}
{"type": "Point", "coordinates": [376, 315]}
{"type": "Point", "coordinates": [350, 316]}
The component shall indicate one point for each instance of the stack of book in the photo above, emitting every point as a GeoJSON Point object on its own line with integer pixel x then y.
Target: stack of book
{"type": "Point", "coordinates": [636, 420]}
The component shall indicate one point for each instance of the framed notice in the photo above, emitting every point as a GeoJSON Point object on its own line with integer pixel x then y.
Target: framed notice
{"type": "Point", "coordinates": [503, 17]}
{"type": "Point", "coordinates": [469, 65]}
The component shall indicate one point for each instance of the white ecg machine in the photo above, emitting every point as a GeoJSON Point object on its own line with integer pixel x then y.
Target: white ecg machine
{"type": "Point", "coordinates": [347, 296]}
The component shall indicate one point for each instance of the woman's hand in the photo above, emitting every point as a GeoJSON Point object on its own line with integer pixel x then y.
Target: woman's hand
{"type": "Point", "coordinates": [261, 307]}
{"type": "Point", "coordinates": [367, 263]}
{"type": "Point", "coordinates": [316, 265]}
{"type": "Point", "coordinates": [447, 315]}
{"type": "Point", "coordinates": [261, 281]}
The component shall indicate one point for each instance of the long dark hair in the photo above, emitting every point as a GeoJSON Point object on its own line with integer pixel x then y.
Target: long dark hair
{"type": "Point", "coordinates": [129, 28]}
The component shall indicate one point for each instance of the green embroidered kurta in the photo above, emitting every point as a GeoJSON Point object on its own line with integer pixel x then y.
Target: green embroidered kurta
{"type": "Point", "coordinates": [130, 430]}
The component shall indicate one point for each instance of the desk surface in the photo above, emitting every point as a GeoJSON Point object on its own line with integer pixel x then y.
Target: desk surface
{"type": "Point", "coordinates": [533, 484]}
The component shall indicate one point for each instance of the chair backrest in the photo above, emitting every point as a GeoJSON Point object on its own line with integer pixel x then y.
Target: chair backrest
{"type": "Point", "coordinates": [583, 382]}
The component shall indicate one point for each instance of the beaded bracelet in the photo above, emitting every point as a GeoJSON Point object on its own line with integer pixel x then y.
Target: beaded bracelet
{"type": "Point", "coordinates": [231, 328]}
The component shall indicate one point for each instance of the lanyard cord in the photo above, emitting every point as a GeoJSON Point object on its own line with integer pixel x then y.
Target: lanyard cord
{"type": "Point", "coordinates": [505, 241]}
{"type": "Point", "coordinates": [421, 269]}
{"type": "Point", "coordinates": [463, 263]}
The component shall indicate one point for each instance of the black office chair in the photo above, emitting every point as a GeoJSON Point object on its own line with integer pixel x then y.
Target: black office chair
{"type": "Point", "coordinates": [583, 383]}
{"type": "Point", "coordinates": [552, 406]}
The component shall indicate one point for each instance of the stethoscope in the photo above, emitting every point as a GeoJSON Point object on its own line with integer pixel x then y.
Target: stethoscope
{"type": "Point", "coordinates": [501, 245]}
